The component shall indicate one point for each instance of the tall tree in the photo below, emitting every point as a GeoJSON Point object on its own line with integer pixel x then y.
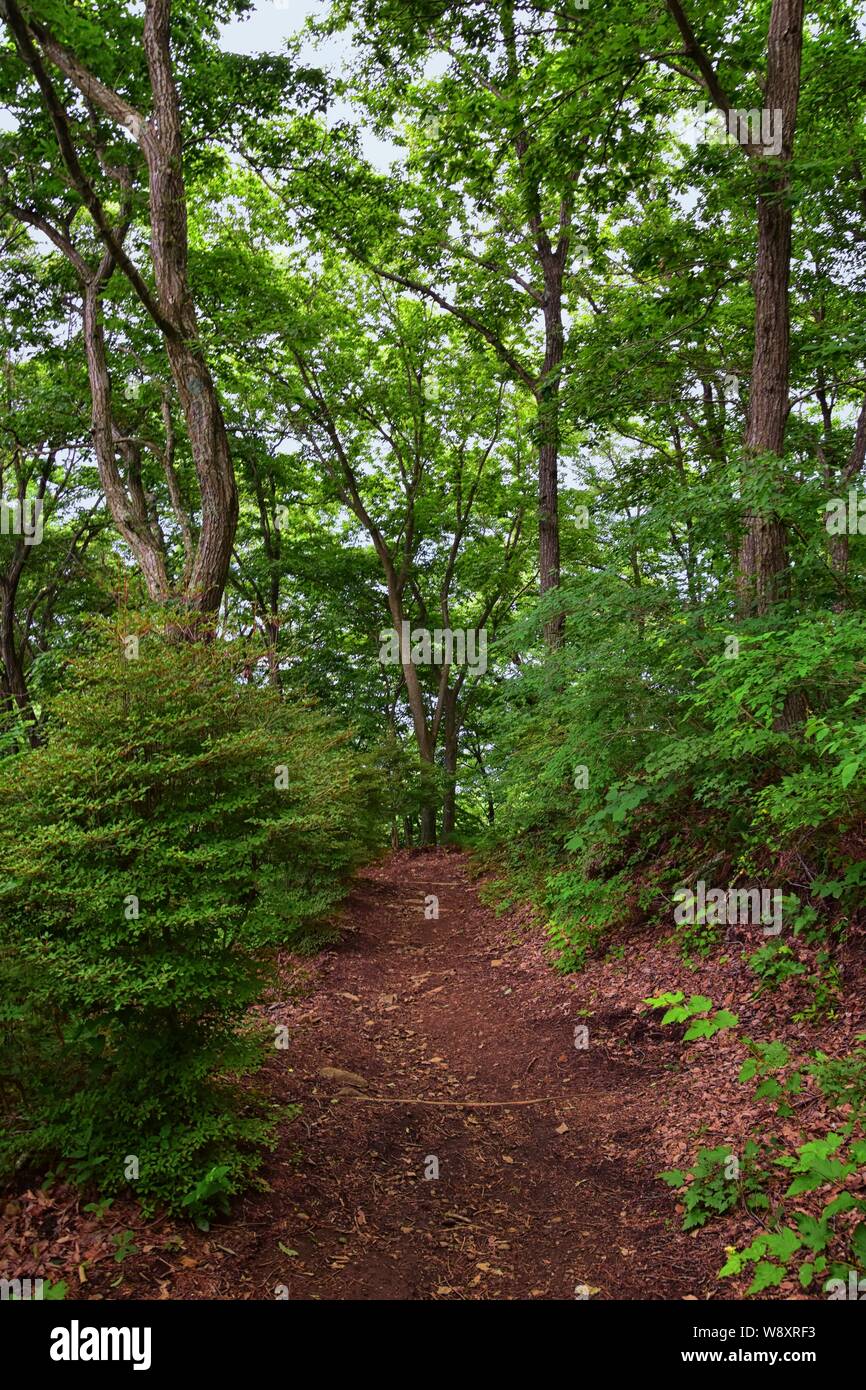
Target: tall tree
{"type": "Point", "coordinates": [763, 557]}
{"type": "Point", "coordinates": [88, 152]}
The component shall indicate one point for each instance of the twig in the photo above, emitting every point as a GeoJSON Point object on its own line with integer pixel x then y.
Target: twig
{"type": "Point", "coordinates": [414, 1100]}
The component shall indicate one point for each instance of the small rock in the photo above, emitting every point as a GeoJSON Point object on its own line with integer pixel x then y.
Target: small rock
{"type": "Point", "coordinates": [346, 1078]}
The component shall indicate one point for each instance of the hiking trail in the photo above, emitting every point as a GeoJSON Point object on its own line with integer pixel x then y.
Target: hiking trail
{"type": "Point", "coordinates": [448, 1045]}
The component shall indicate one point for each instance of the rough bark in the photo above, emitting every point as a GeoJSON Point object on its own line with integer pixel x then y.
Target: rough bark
{"type": "Point", "coordinates": [763, 562]}
{"type": "Point", "coordinates": [127, 507]}
{"type": "Point", "coordinates": [425, 738]}
{"type": "Point", "coordinates": [450, 736]}
{"type": "Point", "coordinates": [195, 386]}
{"type": "Point", "coordinates": [838, 545]}
{"type": "Point", "coordinates": [763, 570]}
{"type": "Point", "coordinates": [159, 137]}
{"type": "Point", "coordinates": [15, 681]}
{"type": "Point", "coordinates": [551, 262]}
{"type": "Point", "coordinates": [548, 439]}
{"type": "Point", "coordinates": [13, 668]}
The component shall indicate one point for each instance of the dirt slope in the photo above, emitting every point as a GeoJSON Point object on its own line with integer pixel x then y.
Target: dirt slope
{"type": "Point", "coordinates": [460, 1040]}
{"type": "Point", "coordinates": [531, 1200]}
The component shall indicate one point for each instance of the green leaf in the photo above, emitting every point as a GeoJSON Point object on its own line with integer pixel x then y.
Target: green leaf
{"type": "Point", "coordinates": [767, 1276]}
{"type": "Point", "coordinates": [858, 1243]}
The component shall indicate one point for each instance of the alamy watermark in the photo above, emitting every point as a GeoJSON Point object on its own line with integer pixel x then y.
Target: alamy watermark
{"type": "Point", "coordinates": [77, 1343]}
{"type": "Point", "coordinates": [22, 518]}
{"type": "Point", "coordinates": [756, 907]}
{"type": "Point", "coordinates": [21, 1289]}
{"type": "Point", "coordinates": [855, 1289]}
{"type": "Point", "coordinates": [444, 646]}
{"type": "Point", "coordinates": [757, 127]}
{"type": "Point", "coordinates": [846, 516]}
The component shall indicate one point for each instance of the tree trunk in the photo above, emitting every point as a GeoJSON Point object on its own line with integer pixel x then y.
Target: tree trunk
{"type": "Point", "coordinates": [16, 684]}
{"type": "Point", "coordinates": [172, 310]}
{"type": "Point", "coordinates": [547, 417]}
{"type": "Point", "coordinates": [415, 696]}
{"type": "Point", "coordinates": [449, 748]}
{"type": "Point", "coordinates": [198, 398]}
{"type": "Point", "coordinates": [428, 826]}
{"type": "Point", "coordinates": [128, 509]}
{"type": "Point", "coordinates": [838, 545]}
{"type": "Point", "coordinates": [551, 263]}
{"type": "Point", "coordinates": [763, 576]}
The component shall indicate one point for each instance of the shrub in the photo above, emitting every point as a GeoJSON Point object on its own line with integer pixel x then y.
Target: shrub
{"type": "Point", "coordinates": [634, 785]}
{"type": "Point", "coordinates": [717, 1181]}
{"type": "Point", "coordinates": [177, 822]}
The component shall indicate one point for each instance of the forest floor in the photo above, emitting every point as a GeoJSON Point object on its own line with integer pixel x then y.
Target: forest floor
{"type": "Point", "coordinates": [454, 1142]}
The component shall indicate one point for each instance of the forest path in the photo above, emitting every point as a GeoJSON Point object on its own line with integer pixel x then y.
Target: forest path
{"type": "Point", "coordinates": [531, 1200]}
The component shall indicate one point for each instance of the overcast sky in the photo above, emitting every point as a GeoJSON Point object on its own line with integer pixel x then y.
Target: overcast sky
{"type": "Point", "coordinates": [268, 27]}
{"type": "Point", "coordinates": [271, 23]}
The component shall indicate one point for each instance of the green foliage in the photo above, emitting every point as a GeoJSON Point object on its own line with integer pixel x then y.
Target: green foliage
{"type": "Point", "coordinates": [124, 1245]}
{"type": "Point", "coordinates": [51, 1292]}
{"type": "Point", "coordinates": [705, 1024]}
{"type": "Point", "coordinates": [717, 1181]}
{"type": "Point", "coordinates": [54, 1292]}
{"type": "Point", "coordinates": [178, 822]}
{"type": "Point", "coordinates": [765, 1064]}
{"type": "Point", "coordinates": [581, 910]}
{"type": "Point", "coordinates": [825, 984]}
{"type": "Point", "coordinates": [813, 1246]}
{"type": "Point", "coordinates": [688, 775]}
{"type": "Point", "coordinates": [842, 1080]}
{"type": "Point", "coordinates": [376, 342]}
{"type": "Point", "coordinates": [814, 1164]}
{"type": "Point", "coordinates": [773, 963]}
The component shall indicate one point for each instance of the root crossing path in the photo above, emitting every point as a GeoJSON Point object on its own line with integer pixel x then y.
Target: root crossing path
{"type": "Point", "coordinates": [456, 1139]}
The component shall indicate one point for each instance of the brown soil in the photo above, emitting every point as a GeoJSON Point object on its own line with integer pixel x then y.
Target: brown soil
{"type": "Point", "coordinates": [469, 1061]}
{"type": "Point", "coordinates": [460, 1042]}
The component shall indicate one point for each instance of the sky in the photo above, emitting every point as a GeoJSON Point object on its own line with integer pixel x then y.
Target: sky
{"type": "Point", "coordinates": [265, 31]}
{"type": "Point", "coordinates": [270, 24]}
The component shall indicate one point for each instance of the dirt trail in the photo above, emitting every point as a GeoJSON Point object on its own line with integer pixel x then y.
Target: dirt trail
{"type": "Point", "coordinates": [472, 1151]}
{"type": "Point", "coordinates": [531, 1200]}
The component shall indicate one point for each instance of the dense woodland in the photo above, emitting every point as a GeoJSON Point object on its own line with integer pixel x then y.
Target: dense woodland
{"type": "Point", "coordinates": [461, 444]}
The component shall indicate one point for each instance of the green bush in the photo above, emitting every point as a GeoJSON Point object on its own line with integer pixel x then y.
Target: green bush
{"type": "Point", "coordinates": [773, 963]}
{"type": "Point", "coordinates": [717, 1181]}
{"type": "Point", "coordinates": [177, 822]}
{"type": "Point", "coordinates": [611, 790]}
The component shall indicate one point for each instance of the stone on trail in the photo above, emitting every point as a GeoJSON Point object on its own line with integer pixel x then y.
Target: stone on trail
{"type": "Point", "coordinates": [347, 1078]}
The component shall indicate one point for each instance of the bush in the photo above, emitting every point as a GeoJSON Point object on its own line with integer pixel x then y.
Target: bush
{"type": "Point", "coordinates": [176, 823]}
{"type": "Point", "coordinates": [611, 791]}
